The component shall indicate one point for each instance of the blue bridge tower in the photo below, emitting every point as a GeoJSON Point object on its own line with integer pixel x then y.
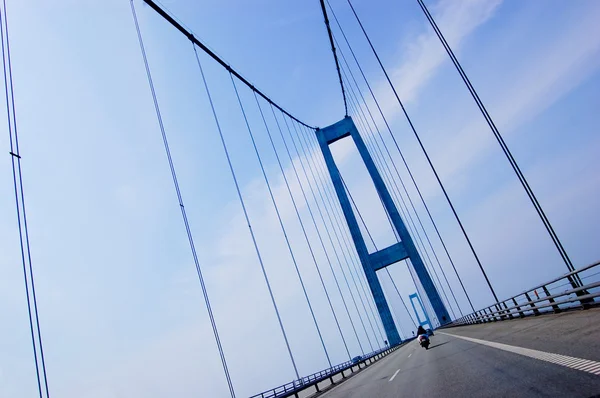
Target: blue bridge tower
{"type": "Point", "coordinates": [371, 262]}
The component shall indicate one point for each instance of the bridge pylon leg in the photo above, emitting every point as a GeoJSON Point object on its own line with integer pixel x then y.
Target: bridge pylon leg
{"type": "Point", "coordinates": [371, 262]}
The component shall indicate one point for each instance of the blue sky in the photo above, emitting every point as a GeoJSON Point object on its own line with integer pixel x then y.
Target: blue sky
{"type": "Point", "coordinates": [120, 305]}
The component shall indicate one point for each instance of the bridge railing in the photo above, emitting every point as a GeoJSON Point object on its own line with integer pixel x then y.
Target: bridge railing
{"type": "Point", "coordinates": [547, 297]}
{"type": "Point", "coordinates": [312, 381]}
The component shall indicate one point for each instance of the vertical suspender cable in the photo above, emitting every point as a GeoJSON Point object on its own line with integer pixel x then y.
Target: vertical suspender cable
{"type": "Point", "coordinates": [409, 264]}
{"type": "Point", "coordinates": [425, 153]}
{"type": "Point", "coordinates": [20, 207]}
{"type": "Point", "coordinates": [310, 167]}
{"type": "Point", "coordinates": [239, 193]}
{"type": "Point", "coordinates": [501, 142]}
{"type": "Point", "coordinates": [335, 231]}
{"type": "Point", "coordinates": [343, 232]}
{"type": "Point", "coordinates": [300, 157]}
{"type": "Point", "coordinates": [401, 182]}
{"type": "Point", "coordinates": [387, 172]}
{"type": "Point", "coordinates": [426, 259]}
{"type": "Point", "coordinates": [375, 245]}
{"type": "Point", "coordinates": [287, 240]}
{"type": "Point", "coordinates": [287, 149]}
{"type": "Point", "coordinates": [310, 249]}
{"type": "Point", "coordinates": [181, 204]}
{"type": "Point", "coordinates": [403, 158]}
{"type": "Point", "coordinates": [360, 275]}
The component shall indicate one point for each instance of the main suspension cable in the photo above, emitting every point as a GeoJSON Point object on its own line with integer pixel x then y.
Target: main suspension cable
{"type": "Point", "coordinates": [425, 153]}
{"type": "Point", "coordinates": [337, 64]}
{"type": "Point", "coordinates": [181, 204]}
{"type": "Point", "coordinates": [214, 56]}
{"type": "Point", "coordinates": [501, 142]}
{"type": "Point", "coordinates": [13, 135]}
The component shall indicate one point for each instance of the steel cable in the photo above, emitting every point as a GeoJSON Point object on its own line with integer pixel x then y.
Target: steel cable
{"type": "Point", "coordinates": [276, 207]}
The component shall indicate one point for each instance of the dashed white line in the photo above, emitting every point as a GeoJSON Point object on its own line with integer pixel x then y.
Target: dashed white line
{"type": "Point", "coordinates": [584, 365]}
{"type": "Point", "coordinates": [395, 375]}
{"type": "Point", "coordinates": [409, 355]}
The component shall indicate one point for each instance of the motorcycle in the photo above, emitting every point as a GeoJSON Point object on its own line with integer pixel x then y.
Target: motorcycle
{"type": "Point", "coordinates": [423, 341]}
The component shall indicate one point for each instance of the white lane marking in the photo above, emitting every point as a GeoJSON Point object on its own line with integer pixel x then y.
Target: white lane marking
{"type": "Point", "coordinates": [584, 365]}
{"type": "Point", "coordinates": [409, 355]}
{"type": "Point", "coordinates": [395, 375]}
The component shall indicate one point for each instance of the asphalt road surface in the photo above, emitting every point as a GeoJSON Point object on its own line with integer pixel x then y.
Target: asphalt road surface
{"type": "Point", "coordinates": [455, 367]}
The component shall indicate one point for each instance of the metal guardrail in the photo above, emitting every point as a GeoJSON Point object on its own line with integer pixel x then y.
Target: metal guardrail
{"type": "Point", "coordinates": [520, 305]}
{"type": "Point", "coordinates": [294, 387]}
{"type": "Point", "coordinates": [531, 302]}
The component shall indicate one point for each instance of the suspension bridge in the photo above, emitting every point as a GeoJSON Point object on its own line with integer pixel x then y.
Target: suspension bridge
{"type": "Point", "coordinates": [338, 299]}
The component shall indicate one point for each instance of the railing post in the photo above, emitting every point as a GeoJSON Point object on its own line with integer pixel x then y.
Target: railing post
{"type": "Point", "coordinates": [499, 310]}
{"type": "Point", "coordinates": [480, 317]}
{"type": "Point", "coordinates": [492, 314]}
{"type": "Point", "coordinates": [576, 282]}
{"type": "Point", "coordinates": [518, 308]}
{"type": "Point", "coordinates": [555, 308]}
{"type": "Point", "coordinates": [536, 312]}
{"type": "Point", "coordinates": [510, 316]}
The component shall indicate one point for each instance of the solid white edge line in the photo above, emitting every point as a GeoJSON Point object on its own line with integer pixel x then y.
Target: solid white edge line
{"type": "Point", "coordinates": [584, 365]}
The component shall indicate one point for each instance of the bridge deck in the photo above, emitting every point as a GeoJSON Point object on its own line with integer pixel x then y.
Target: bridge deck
{"type": "Point", "coordinates": [455, 367]}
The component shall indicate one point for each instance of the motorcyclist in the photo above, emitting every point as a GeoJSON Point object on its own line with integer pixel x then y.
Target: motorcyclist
{"type": "Point", "coordinates": [420, 330]}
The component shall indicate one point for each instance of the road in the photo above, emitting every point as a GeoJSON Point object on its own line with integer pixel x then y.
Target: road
{"type": "Point", "coordinates": [455, 367]}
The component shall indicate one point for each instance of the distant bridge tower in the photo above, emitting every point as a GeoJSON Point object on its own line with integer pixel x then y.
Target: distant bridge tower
{"type": "Point", "coordinates": [415, 297]}
{"type": "Point", "coordinates": [390, 255]}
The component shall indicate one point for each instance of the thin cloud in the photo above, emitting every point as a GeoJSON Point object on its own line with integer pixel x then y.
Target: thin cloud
{"type": "Point", "coordinates": [424, 55]}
